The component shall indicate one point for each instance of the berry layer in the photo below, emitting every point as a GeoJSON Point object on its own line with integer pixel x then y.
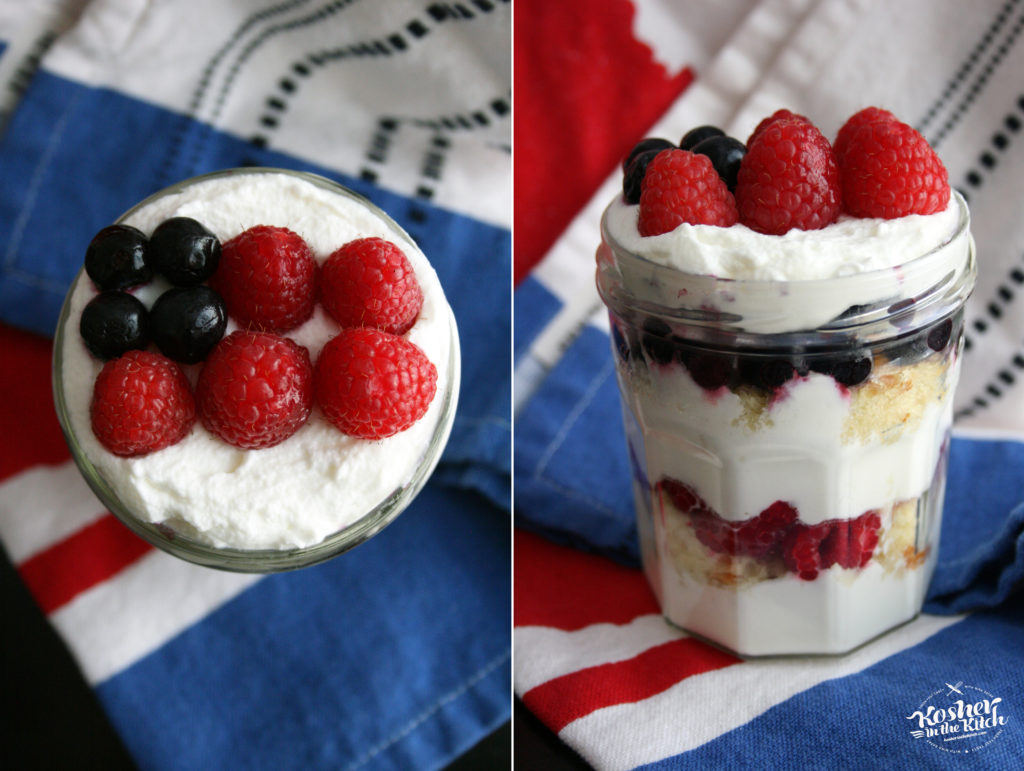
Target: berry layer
{"type": "Point", "coordinates": [318, 481]}
{"type": "Point", "coordinates": [829, 451]}
{"type": "Point", "coordinates": [756, 607]}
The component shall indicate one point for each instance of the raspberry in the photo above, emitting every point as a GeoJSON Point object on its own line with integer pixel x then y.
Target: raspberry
{"type": "Point", "coordinates": [864, 117]}
{"type": "Point", "coordinates": [683, 496]}
{"type": "Point", "coordinates": [370, 283]}
{"type": "Point", "coordinates": [255, 389]}
{"type": "Point", "coordinates": [372, 384]}
{"type": "Point", "coordinates": [141, 403]}
{"type": "Point", "coordinates": [679, 187]}
{"type": "Point", "coordinates": [762, 535]}
{"type": "Point", "coordinates": [801, 549]}
{"type": "Point", "coordinates": [267, 278]}
{"type": "Point", "coordinates": [788, 179]}
{"type": "Point", "coordinates": [775, 116]}
{"type": "Point", "coordinates": [851, 543]}
{"type": "Point", "coordinates": [889, 170]}
{"type": "Point", "coordinates": [716, 533]}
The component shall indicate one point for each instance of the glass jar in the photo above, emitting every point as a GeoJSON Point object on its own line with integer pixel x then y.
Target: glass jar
{"type": "Point", "coordinates": [175, 533]}
{"type": "Point", "coordinates": [788, 441]}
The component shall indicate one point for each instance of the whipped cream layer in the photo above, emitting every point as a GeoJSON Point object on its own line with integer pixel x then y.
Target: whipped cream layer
{"type": "Point", "coordinates": [318, 481]}
{"type": "Point", "coordinates": [836, 612]}
{"type": "Point", "coordinates": [797, 281]}
{"type": "Point", "coordinates": [800, 450]}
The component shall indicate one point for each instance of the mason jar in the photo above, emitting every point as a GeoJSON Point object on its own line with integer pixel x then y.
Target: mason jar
{"type": "Point", "coordinates": [788, 439]}
{"type": "Point", "coordinates": [294, 504]}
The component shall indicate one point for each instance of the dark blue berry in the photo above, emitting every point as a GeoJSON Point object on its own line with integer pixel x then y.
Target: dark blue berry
{"type": "Point", "coordinates": [726, 154]}
{"type": "Point", "coordinates": [112, 323]}
{"type": "Point", "coordinates": [117, 258]}
{"type": "Point", "coordinates": [643, 146]}
{"type": "Point", "coordinates": [901, 313]}
{"type": "Point", "coordinates": [847, 369]}
{"type": "Point", "coordinates": [184, 251]}
{"type": "Point", "coordinates": [709, 370]}
{"type": "Point", "coordinates": [656, 340]}
{"type": "Point", "coordinates": [938, 336]}
{"type": "Point", "coordinates": [767, 374]}
{"type": "Point", "coordinates": [186, 322]}
{"type": "Point", "coordinates": [697, 135]}
{"type": "Point", "coordinates": [633, 179]}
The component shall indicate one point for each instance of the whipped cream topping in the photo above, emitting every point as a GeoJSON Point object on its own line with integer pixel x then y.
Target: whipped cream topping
{"type": "Point", "coordinates": [319, 480]}
{"type": "Point", "coordinates": [847, 247]}
{"type": "Point", "coordinates": [797, 281]}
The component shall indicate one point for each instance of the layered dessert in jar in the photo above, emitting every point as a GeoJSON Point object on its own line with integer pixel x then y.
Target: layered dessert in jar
{"type": "Point", "coordinates": [786, 319]}
{"type": "Point", "coordinates": [256, 369]}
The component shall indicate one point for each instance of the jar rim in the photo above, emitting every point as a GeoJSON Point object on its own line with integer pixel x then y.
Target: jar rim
{"type": "Point", "coordinates": [262, 560]}
{"type": "Point", "coordinates": [932, 282]}
{"type": "Point", "coordinates": [960, 231]}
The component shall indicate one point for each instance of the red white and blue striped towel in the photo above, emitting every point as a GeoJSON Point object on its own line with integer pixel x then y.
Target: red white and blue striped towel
{"type": "Point", "coordinates": [396, 655]}
{"type": "Point", "coordinates": [593, 658]}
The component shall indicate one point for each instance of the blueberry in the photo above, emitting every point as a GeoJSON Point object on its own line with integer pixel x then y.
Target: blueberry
{"type": "Point", "coordinates": [697, 135]}
{"type": "Point", "coordinates": [709, 370]}
{"type": "Point", "coordinates": [767, 374]}
{"type": "Point", "coordinates": [847, 370]}
{"type": "Point", "coordinates": [726, 154]}
{"type": "Point", "coordinates": [656, 340]}
{"type": "Point", "coordinates": [646, 145]}
{"type": "Point", "coordinates": [186, 322]}
{"type": "Point", "coordinates": [112, 323]}
{"type": "Point", "coordinates": [184, 251]}
{"type": "Point", "coordinates": [938, 336]}
{"type": "Point", "coordinates": [634, 176]}
{"type": "Point", "coordinates": [117, 258]}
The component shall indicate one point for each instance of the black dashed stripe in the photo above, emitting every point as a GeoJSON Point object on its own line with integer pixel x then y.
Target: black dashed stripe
{"type": "Point", "coordinates": [988, 160]}
{"type": "Point", "coordinates": [995, 388]}
{"type": "Point", "coordinates": [286, 85]}
{"type": "Point", "coordinates": [381, 140]}
{"type": "Point", "coordinates": [206, 76]}
{"type": "Point", "coordinates": [965, 68]}
{"type": "Point", "coordinates": [980, 83]}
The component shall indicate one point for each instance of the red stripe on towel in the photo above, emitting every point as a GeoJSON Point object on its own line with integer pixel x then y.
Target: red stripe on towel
{"type": "Point", "coordinates": [28, 422]}
{"type": "Point", "coordinates": [84, 559]}
{"type": "Point", "coordinates": [567, 589]}
{"type": "Point", "coordinates": [564, 699]}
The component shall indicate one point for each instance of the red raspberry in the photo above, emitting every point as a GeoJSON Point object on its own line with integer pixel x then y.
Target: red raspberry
{"type": "Point", "coordinates": [679, 187]}
{"type": "Point", "coordinates": [801, 549]}
{"type": "Point", "coordinates": [863, 117]}
{"type": "Point", "coordinates": [788, 179]}
{"type": "Point", "coordinates": [370, 283]}
{"type": "Point", "coordinates": [141, 403]}
{"type": "Point", "coordinates": [372, 384]}
{"type": "Point", "coordinates": [851, 543]}
{"type": "Point", "coordinates": [267, 278]}
{"type": "Point", "coordinates": [716, 533]}
{"type": "Point", "coordinates": [255, 389]}
{"type": "Point", "coordinates": [889, 170]}
{"type": "Point", "coordinates": [775, 116]}
{"type": "Point", "coordinates": [683, 496]}
{"type": "Point", "coordinates": [762, 535]}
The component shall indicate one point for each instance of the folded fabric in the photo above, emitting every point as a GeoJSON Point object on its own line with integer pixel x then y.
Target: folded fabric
{"type": "Point", "coordinates": [346, 664]}
{"type": "Point", "coordinates": [597, 663]}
